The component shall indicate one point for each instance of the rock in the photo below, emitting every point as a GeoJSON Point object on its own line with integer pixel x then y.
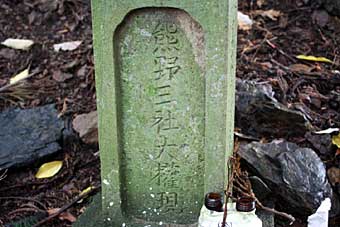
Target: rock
{"type": "Point", "coordinates": [295, 174]}
{"type": "Point", "coordinates": [332, 6]}
{"type": "Point", "coordinates": [259, 114]}
{"type": "Point", "coordinates": [333, 174]}
{"type": "Point", "coordinates": [260, 188]}
{"type": "Point", "coordinates": [27, 135]}
{"type": "Point", "coordinates": [321, 142]}
{"type": "Point", "coordinates": [60, 76]}
{"type": "Point", "coordinates": [320, 17]}
{"type": "Point", "coordinates": [263, 194]}
{"type": "Point", "coordinates": [86, 126]}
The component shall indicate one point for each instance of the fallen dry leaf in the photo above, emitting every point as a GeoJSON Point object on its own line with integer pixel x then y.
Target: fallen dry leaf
{"type": "Point", "coordinates": [337, 153]}
{"type": "Point", "coordinates": [21, 76]}
{"type": "Point", "coordinates": [19, 44]}
{"type": "Point", "coordinates": [67, 46]}
{"type": "Point", "coordinates": [271, 14]}
{"type": "Point", "coordinates": [60, 76]}
{"type": "Point", "coordinates": [67, 216]}
{"type": "Point", "coordinates": [336, 140]}
{"type": "Point", "coordinates": [63, 216]}
{"type": "Point", "coordinates": [244, 21]}
{"type": "Point", "coordinates": [52, 211]}
{"type": "Point", "coordinates": [301, 68]}
{"type": "Point", "coordinates": [86, 125]}
{"type": "Point", "coordinates": [265, 65]}
{"type": "Point", "coordinates": [260, 3]}
{"type": "Point", "coordinates": [86, 190]}
{"type": "Point", "coordinates": [334, 175]}
{"type": "Point", "coordinates": [327, 131]}
{"type": "Point", "coordinates": [49, 169]}
{"type": "Point", "coordinates": [313, 58]}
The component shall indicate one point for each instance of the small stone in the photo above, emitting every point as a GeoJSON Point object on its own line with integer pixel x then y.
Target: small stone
{"type": "Point", "coordinates": [61, 76]}
{"type": "Point", "coordinates": [7, 53]}
{"type": "Point", "coordinates": [332, 6]}
{"type": "Point", "coordinates": [86, 126]}
{"type": "Point", "coordinates": [321, 143]}
{"type": "Point", "coordinates": [320, 17]}
{"type": "Point", "coordinates": [82, 71]}
{"type": "Point", "coordinates": [334, 175]}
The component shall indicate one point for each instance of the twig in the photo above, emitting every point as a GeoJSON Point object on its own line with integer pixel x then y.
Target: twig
{"type": "Point", "coordinates": [260, 45]}
{"type": "Point", "coordinates": [288, 23]}
{"type": "Point", "coordinates": [280, 51]}
{"type": "Point", "coordinates": [25, 209]}
{"type": "Point", "coordinates": [243, 185]}
{"type": "Point", "coordinates": [15, 83]}
{"type": "Point", "coordinates": [24, 198]}
{"type": "Point", "coordinates": [65, 207]}
{"type": "Point", "coordinates": [273, 211]}
{"type": "Point", "coordinates": [262, 207]}
{"type": "Point", "coordinates": [228, 192]}
{"type": "Point", "coordinates": [316, 75]}
{"type": "Point", "coordinates": [4, 174]}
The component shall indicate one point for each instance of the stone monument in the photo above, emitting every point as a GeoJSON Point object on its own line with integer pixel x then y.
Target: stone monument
{"type": "Point", "coordinates": [165, 88]}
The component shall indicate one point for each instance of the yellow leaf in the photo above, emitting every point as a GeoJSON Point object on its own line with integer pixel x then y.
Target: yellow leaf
{"type": "Point", "coordinates": [87, 190]}
{"type": "Point", "coordinates": [49, 169]}
{"type": "Point", "coordinates": [20, 44]}
{"type": "Point", "coordinates": [336, 140]}
{"type": "Point", "coordinates": [313, 58]}
{"type": "Point", "coordinates": [21, 76]}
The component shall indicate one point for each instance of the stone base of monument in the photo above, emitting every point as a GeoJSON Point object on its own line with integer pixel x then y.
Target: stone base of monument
{"type": "Point", "coordinates": [92, 217]}
{"type": "Point", "coordinates": [266, 217]}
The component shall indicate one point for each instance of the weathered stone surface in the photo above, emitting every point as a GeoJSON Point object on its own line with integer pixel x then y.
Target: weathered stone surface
{"type": "Point", "coordinates": [86, 125]}
{"type": "Point", "coordinates": [296, 174]}
{"type": "Point", "coordinates": [261, 190]}
{"type": "Point", "coordinates": [27, 135]}
{"type": "Point", "coordinates": [166, 106]}
{"type": "Point", "coordinates": [259, 114]}
{"type": "Point", "coordinates": [164, 137]}
{"type": "Point", "coordinates": [93, 217]}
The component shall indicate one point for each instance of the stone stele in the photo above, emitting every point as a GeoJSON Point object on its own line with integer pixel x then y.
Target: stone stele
{"type": "Point", "coordinates": [165, 85]}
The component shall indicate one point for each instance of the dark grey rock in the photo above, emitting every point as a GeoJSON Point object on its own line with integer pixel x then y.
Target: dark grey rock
{"type": "Point", "coordinates": [27, 135]}
{"type": "Point", "coordinates": [260, 189]}
{"type": "Point", "coordinates": [322, 143]}
{"type": "Point", "coordinates": [259, 114]}
{"type": "Point", "coordinates": [295, 174]}
{"type": "Point", "coordinates": [332, 6]}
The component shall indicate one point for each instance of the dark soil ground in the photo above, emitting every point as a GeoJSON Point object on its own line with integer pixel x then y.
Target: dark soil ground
{"type": "Point", "coordinates": [266, 53]}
